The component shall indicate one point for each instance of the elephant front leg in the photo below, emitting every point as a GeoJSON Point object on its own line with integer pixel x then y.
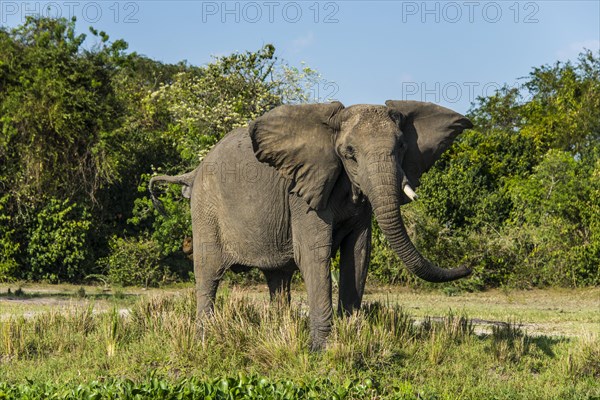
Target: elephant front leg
{"type": "Point", "coordinates": [312, 251]}
{"type": "Point", "coordinates": [317, 278]}
{"type": "Point", "coordinates": [355, 253]}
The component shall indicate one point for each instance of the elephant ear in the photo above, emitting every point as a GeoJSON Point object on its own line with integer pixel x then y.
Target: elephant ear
{"type": "Point", "coordinates": [429, 130]}
{"type": "Point", "coordinates": [297, 140]}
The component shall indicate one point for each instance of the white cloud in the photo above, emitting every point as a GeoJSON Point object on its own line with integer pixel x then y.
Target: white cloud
{"type": "Point", "coordinates": [303, 42]}
{"type": "Point", "coordinates": [572, 50]}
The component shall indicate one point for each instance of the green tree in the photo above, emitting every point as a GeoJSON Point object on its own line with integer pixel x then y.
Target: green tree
{"type": "Point", "coordinates": [516, 198]}
{"type": "Point", "coordinates": [56, 106]}
{"type": "Point", "coordinates": [73, 129]}
{"type": "Point", "coordinates": [554, 221]}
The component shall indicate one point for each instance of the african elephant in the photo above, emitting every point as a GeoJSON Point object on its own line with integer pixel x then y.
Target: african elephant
{"type": "Point", "coordinates": [278, 280]}
{"type": "Point", "coordinates": [301, 182]}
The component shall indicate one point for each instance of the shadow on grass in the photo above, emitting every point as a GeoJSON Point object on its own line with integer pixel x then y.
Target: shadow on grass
{"type": "Point", "coordinates": [546, 343]}
{"type": "Point", "coordinates": [508, 340]}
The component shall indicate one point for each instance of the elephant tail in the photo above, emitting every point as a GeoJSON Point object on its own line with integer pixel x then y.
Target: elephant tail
{"type": "Point", "coordinates": [186, 180]}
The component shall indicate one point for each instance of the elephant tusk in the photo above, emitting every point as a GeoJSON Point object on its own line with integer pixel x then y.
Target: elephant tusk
{"type": "Point", "coordinates": [410, 192]}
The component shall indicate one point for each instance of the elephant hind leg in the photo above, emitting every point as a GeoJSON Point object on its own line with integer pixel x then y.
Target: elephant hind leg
{"type": "Point", "coordinates": [279, 282]}
{"type": "Point", "coordinates": [209, 267]}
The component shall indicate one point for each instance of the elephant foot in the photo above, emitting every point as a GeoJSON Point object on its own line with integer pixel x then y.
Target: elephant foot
{"type": "Point", "coordinates": [318, 345]}
{"type": "Point", "coordinates": [319, 338]}
{"type": "Point", "coordinates": [347, 309]}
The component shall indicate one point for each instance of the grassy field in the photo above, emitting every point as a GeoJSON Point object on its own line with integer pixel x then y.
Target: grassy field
{"type": "Point", "coordinates": [500, 344]}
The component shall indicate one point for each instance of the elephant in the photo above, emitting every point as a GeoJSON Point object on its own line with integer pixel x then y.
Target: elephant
{"type": "Point", "coordinates": [300, 183]}
{"type": "Point", "coordinates": [278, 280]}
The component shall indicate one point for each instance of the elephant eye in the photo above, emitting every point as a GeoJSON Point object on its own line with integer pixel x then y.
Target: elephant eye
{"type": "Point", "coordinates": [349, 153]}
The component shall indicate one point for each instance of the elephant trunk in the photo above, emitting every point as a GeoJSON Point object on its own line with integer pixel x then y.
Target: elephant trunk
{"type": "Point", "coordinates": [383, 193]}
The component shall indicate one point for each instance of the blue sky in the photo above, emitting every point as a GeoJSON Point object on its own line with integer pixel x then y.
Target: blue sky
{"type": "Point", "coordinates": [367, 52]}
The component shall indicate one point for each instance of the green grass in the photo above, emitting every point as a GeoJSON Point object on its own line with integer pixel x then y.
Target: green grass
{"type": "Point", "coordinates": [384, 351]}
{"type": "Point", "coordinates": [556, 312]}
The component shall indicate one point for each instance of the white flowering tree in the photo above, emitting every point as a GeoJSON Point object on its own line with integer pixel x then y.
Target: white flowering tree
{"type": "Point", "coordinates": [205, 103]}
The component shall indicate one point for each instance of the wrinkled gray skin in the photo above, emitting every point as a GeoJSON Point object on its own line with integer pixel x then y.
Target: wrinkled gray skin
{"type": "Point", "coordinates": [302, 182]}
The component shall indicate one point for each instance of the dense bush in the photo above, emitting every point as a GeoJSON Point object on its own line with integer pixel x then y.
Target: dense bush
{"type": "Point", "coordinates": [9, 247]}
{"type": "Point", "coordinates": [134, 261]}
{"type": "Point", "coordinates": [58, 111]}
{"type": "Point", "coordinates": [555, 221]}
{"type": "Point", "coordinates": [57, 242]}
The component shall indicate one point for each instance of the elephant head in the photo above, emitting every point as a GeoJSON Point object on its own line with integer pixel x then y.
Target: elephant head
{"type": "Point", "coordinates": [382, 149]}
